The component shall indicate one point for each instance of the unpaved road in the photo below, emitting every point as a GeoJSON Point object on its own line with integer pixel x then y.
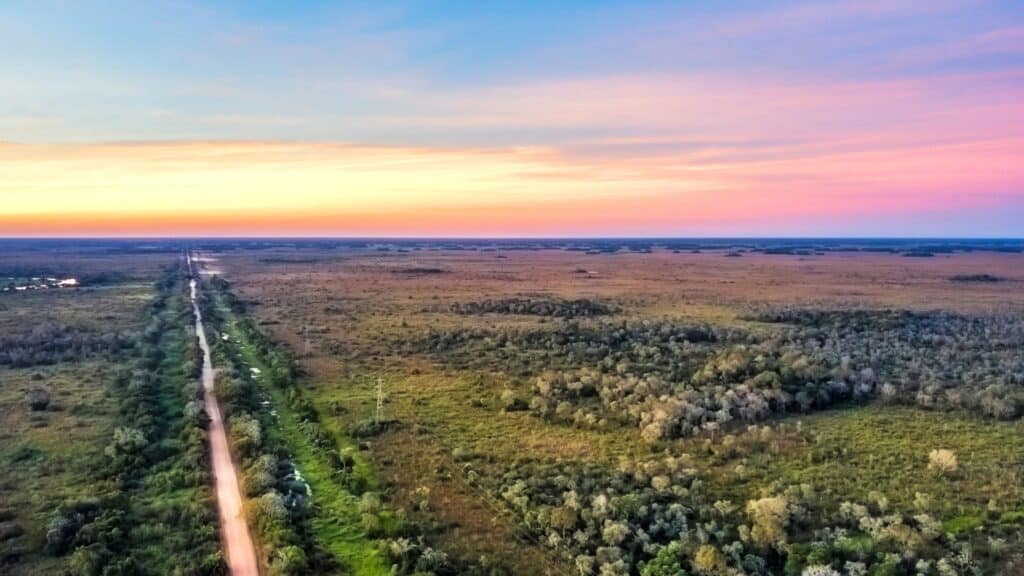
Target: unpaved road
{"type": "Point", "coordinates": [241, 554]}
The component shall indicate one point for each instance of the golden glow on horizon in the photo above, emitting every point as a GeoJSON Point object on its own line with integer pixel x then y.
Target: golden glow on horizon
{"type": "Point", "coordinates": [256, 188]}
{"type": "Point", "coordinates": [230, 176]}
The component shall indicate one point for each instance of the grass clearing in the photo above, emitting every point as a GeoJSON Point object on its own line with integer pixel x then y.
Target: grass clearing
{"type": "Point", "coordinates": [850, 453]}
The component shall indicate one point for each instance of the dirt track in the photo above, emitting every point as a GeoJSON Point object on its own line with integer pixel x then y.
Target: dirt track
{"type": "Point", "coordinates": [238, 546]}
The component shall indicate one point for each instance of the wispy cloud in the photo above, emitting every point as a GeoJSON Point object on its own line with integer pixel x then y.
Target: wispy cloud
{"type": "Point", "coordinates": [999, 42]}
{"type": "Point", "coordinates": [804, 16]}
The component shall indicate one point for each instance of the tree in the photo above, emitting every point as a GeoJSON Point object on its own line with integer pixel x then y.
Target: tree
{"type": "Point", "coordinates": [585, 565]}
{"type": "Point", "coordinates": [260, 478]}
{"type": "Point", "coordinates": [268, 515]}
{"type": "Point", "coordinates": [615, 533]}
{"type": "Point", "coordinates": [709, 561]}
{"type": "Point", "coordinates": [564, 518]}
{"type": "Point", "coordinates": [771, 517]}
{"type": "Point", "coordinates": [196, 414]}
{"type": "Point", "coordinates": [666, 563]}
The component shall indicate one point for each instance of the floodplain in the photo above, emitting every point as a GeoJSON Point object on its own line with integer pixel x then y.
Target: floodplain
{"type": "Point", "coordinates": [520, 407]}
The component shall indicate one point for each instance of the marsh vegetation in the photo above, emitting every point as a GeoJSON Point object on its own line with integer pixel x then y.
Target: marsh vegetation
{"type": "Point", "coordinates": [661, 412]}
{"type": "Point", "coordinates": [594, 409]}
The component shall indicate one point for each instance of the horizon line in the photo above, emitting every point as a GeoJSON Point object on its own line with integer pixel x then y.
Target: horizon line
{"type": "Point", "coordinates": [509, 237]}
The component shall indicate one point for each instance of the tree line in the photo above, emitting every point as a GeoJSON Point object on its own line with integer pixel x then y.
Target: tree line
{"type": "Point", "coordinates": [552, 307]}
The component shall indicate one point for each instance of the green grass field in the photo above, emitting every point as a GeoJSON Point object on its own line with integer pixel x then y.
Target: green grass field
{"type": "Point", "coordinates": [50, 456]}
{"type": "Point", "coordinates": [848, 454]}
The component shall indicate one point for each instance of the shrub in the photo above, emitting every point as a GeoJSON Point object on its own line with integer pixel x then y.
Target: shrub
{"type": "Point", "coordinates": [432, 561]}
{"type": "Point", "coordinates": [942, 461]}
{"type": "Point", "coordinates": [511, 402]}
{"type": "Point", "coordinates": [246, 433]}
{"type": "Point", "coordinates": [128, 442]}
{"type": "Point", "coordinates": [85, 561]}
{"type": "Point", "coordinates": [9, 530]}
{"type": "Point", "coordinates": [557, 308]}
{"type": "Point", "coordinates": [372, 427]}
{"type": "Point", "coordinates": [65, 524]}
{"type": "Point", "coordinates": [370, 503]}
{"type": "Point", "coordinates": [372, 525]}
{"type": "Point", "coordinates": [38, 399]}
{"type": "Point", "coordinates": [289, 561]}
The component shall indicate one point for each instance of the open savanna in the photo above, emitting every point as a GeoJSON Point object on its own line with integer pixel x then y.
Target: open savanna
{"type": "Point", "coordinates": [356, 316]}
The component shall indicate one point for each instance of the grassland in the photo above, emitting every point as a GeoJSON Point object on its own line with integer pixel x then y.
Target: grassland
{"type": "Point", "coordinates": [348, 316]}
{"type": "Point", "coordinates": [853, 452]}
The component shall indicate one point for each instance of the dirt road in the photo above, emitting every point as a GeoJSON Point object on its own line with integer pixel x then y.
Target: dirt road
{"type": "Point", "coordinates": [241, 554]}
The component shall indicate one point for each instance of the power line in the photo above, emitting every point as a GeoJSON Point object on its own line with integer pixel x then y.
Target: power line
{"type": "Point", "coordinates": [379, 417]}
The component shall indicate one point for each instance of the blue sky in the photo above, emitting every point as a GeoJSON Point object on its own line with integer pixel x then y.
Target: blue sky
{"type": "Point", "coordinates": [94, 70]}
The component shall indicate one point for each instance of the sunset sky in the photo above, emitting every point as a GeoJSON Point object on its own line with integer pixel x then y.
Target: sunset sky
{"type": "Point", "coordinates": [585, 118]}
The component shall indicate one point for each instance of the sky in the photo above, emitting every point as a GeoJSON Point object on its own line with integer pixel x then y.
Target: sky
{"type": "Point", "coordinates": [894, 118]}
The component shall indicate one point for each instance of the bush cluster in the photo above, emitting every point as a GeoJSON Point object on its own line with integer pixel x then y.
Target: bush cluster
{"type": "Point", "coordinates": [51, 343]}
{"type": "Point", "coordinates": [673, 380]}
{"type": "Point", "coordinates": [553, 307]}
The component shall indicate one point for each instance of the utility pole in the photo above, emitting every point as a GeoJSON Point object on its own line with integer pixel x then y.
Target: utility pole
{"type": "Point", "coordinates": [380, 400]}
